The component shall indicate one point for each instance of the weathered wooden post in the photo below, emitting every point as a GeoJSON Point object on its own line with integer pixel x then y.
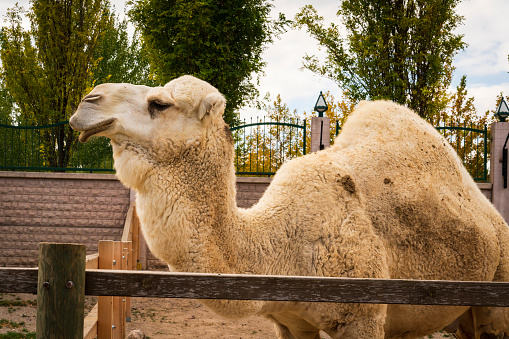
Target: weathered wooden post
{"type": "Point", "coordinates": [61, 291]}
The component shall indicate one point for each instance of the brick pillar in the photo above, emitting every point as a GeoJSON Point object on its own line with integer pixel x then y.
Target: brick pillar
{"type": "Point", "coordinates": [320, 133]}
{"type": "Point", "coordinates": [500, 195]}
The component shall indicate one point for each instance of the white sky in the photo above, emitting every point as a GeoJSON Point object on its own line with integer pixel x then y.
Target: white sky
{"type": "Point", "coordinates": [484, 61]}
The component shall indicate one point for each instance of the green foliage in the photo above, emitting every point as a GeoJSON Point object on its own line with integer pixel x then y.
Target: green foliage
{"type": "Point", "coordinates": [16, 335]}
{"type": "Point", "coordinates": [219, 41]}
{"type": "Point", "coordinates": [120, 59]}
{"type": "Point", "coordinates": [466, 139]}
{"type": "Point", "coordinates": [6, 105]}
{"type": "Point", "coordinates": [47, 69]}
{"type": "Point", "coordinates": [398, 50]}
{"type": "Point", "coordinates": [71, 47]}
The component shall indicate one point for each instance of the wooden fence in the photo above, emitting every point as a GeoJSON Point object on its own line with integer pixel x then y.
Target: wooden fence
{"type": "Point", "coordinates": [107, 318]}
{"type": "Point", "coordinates": [65, 276]}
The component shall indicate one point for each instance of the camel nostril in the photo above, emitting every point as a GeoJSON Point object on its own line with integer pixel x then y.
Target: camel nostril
{"type": "Point", "coordinates": [92, 97]}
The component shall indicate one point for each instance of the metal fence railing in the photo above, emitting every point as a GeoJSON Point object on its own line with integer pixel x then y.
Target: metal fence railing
{"type": "Point", "coordinates": [472, 146]}
{"type": "Point", "coordinates": [34, 148]}
{"type": "Point", "coordinates": [263, 146]}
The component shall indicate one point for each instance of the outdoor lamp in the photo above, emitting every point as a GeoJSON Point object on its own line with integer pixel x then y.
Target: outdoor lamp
{"type": "Point", "coordinates": [502, 111]}
{"type": "Point", "coordinates": [321, 105]}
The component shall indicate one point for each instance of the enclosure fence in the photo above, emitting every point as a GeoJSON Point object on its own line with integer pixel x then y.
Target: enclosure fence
{"type": "Point", "coordinates": [471, 145]}
{"type": "Point", "coordinates": [49, 148]}
{"type": "Point", "coordinates": [261, 147]}
{"type": "Point", "coordinates": [62, 281]}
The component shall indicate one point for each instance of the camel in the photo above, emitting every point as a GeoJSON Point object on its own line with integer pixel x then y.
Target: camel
{"type": "Point", "coordinates": [390, 199]}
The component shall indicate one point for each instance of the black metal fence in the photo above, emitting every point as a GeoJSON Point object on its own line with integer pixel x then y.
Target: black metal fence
{"type": "Point", "coordinates": [261, 147]}
{"type": "Point", "coordinates": [471, 144]}
{"type": "Point", "coordinates": [27, 148]}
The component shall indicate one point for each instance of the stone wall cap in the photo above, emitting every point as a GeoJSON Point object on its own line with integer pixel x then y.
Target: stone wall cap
{"type": "Point", "coordinates": [52, 175]}
{"type": "Point", "coordinates": [254, 180]}
{"type": "Point", "coordinates": [484, 185]}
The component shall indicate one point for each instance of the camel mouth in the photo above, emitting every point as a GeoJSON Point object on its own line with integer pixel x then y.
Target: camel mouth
{"type": "Point", "coordinates": [96, 129]}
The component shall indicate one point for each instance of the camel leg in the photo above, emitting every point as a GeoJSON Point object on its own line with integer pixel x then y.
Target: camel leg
{"type": "Point", "coordinates": [361, 329]}
{"type": "Point", "coordinates": [297, 328]}
{"type": "Point", "coordinates": [491, 322]}
{"type": "Point", "coordinates": [463, 327]}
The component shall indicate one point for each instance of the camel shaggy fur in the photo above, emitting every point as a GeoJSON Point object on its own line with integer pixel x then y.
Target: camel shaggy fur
{"type": "Point", "coordinates": [390, 199]}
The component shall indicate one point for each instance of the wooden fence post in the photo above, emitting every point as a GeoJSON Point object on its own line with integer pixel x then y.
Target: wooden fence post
{"type": "Point", "coordinates": [61, 291]}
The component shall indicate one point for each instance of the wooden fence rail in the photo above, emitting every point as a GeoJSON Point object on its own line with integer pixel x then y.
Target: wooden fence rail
{"type": "Point", "coordinates": [117, 284]}
{"type": "Point", "coordinates": [275, 288]}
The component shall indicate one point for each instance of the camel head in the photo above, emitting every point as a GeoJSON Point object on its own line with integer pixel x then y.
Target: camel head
{"type": "Point", "coordinates": [150, 125]}
{"type": "Point", "coordinates": [178, 112]}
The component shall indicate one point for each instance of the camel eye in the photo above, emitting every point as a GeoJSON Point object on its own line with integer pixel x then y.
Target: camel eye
{"type": "Point", "coordinates": [155, 107]}
{"type": "Point", "coordinates": [159, 105]}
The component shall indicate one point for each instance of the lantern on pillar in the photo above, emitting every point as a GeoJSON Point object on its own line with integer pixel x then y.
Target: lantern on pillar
{"type": "Point", "coordinates": [321, 105]}
{"type": "Point", "coordinates": [502, 111]}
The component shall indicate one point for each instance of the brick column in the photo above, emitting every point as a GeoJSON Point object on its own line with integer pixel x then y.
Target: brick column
{"type": "Point", "coordinates": [500, 195]}
{"type": "Point", "coordinates": [320, 133]}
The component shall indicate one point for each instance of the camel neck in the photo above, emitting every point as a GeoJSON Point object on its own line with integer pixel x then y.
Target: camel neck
{"type": "Point", "coordinates": [188, 213]}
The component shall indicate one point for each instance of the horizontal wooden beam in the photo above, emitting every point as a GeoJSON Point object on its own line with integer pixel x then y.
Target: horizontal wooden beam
{"type": "Point", "coordinates": [18, 280]}
{"type": "Point", "coordinates": [305, 289]}
{"type": "Point", "coordinates": [276, 288]}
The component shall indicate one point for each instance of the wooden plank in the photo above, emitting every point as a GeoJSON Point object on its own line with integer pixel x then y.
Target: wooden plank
{"type": "Point", "coordinates": [305, 289]}
{"type": "Point", "coordinates": [90, 324]}
{"type": "Point", "coordinates": [251, 287]}
{"type": "Point", "coordinates": [129, 255]}
{"type": "Point", "coordinates": [18, 280]}
{"type": "Point", "coordinates": [128, 224]}
{"type": "Point", "coordinates": [142, 252]}
{"type": "Point", "coordinates": [105, 303]}
{"type": "Point", "coordinates": [135, 238]}
{"type": "Point", "coordinates": [118, 302]}
{"type": "Point", "coordinates": [61, 291]}
{"type": "Point", "coordinates": [92, 261]}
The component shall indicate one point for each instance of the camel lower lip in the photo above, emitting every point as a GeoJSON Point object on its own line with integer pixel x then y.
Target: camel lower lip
{"type": "Point", "coordinates": [96, 129]}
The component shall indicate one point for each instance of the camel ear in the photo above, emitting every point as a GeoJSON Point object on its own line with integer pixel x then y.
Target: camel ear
{"type": "Point", "coordinates": [213, 104]}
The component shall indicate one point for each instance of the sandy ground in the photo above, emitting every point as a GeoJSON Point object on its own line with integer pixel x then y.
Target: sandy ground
{"type": "Point", "coordinates": [157, 318]}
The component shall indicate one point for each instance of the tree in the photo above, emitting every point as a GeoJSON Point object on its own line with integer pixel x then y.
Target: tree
{"type": "Point", "coordinates": [71, 47]}
{"type": "Point", "coordinates": [399, 50]}
{"type": "Point", "coordinates": [120, 59]}
{"type": "Point", "coordinates": [218, 41]}
{"type": "Point", "coordinates": [47, 69]}
{"type": "Point", "coordinates": [463, 122]}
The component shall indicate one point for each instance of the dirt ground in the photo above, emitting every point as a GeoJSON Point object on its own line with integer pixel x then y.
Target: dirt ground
{"type": "Point", "coordinates": [157, 318]}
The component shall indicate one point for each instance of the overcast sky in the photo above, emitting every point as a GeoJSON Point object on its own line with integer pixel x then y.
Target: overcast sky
{"type": "Point", "coordinates": [484, 61]}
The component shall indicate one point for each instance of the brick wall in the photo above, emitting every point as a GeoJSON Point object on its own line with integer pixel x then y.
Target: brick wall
{"type": "Point", "coordinates": [250, 190]}
{"type": "Point", "coordinates": [78, 208]}
{"type": "Point", "coordinates": [57, 207]}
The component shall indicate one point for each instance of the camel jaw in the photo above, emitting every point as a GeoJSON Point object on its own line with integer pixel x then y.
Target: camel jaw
{"type": "Point", "coordinates": [88, 131]}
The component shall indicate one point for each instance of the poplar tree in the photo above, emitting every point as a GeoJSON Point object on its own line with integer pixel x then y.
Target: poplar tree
{"type": "Point", "coordinates": [46, 69]}
{"type": "Point", "coordinates": [400, 50]}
